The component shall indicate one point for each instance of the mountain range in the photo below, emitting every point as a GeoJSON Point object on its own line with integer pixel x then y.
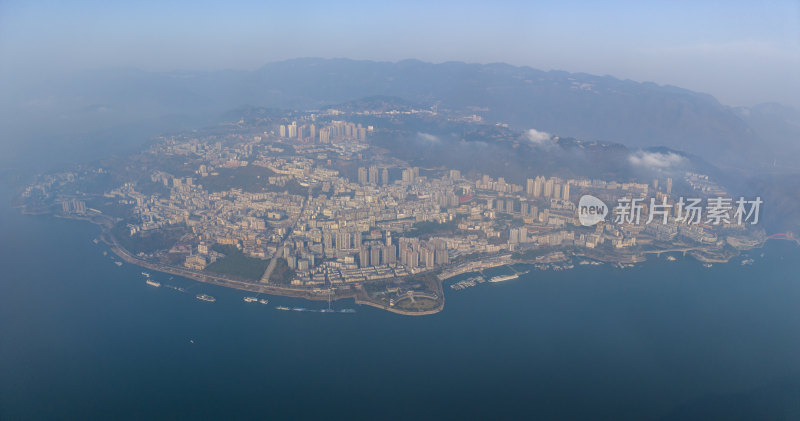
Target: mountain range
{"type": "Point", "coordinates": [577, 105]}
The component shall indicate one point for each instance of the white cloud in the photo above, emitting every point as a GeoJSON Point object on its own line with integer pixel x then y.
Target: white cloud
{"type": "Point", "coordinates": [428, 137]}
{"type": "Point", "coordinates": [537, 137]}
{"type": "Point", "coordinates": [656, 160]}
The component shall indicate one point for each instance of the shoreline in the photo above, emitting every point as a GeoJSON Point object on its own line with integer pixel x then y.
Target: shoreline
{"type": "Point", "coordinates": [105, 223]}
{"type": "Point", "coordinates": [359, 295]}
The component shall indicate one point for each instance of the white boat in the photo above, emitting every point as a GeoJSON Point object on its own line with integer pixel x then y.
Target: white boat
{"type": "Point", "coordinates": [153, 283]}
{"type": "Point", "coordinates": [502, 278]}
{"type": "Point", "coordinates": [205, 297]}
{"type": "Point", "coordinates": [263, 301]}
{"type": "Point", "coordinates": [250, 299]}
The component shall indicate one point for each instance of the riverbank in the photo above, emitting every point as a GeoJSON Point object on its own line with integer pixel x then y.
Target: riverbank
{"type": "Point", "coordinates": [358, 292]}
{"type": "Point", "coordinates": [359, 295]}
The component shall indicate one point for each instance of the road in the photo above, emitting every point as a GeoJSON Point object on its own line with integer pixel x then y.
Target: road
{"type": "Point", "coordinates": [274, 261]}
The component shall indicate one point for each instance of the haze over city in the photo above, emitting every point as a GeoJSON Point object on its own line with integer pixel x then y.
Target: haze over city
{"type": "Point", "coordinates": [742, 52]}
{"type": "Point", "coordinates": [414, 210]}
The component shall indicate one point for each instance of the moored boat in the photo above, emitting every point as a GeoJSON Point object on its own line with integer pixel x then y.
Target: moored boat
{"type": "Point", "coordinates": [502, 278]}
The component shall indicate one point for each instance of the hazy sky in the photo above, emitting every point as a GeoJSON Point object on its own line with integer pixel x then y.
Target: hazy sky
{"type": "Point", "coordinates": [741, 52]}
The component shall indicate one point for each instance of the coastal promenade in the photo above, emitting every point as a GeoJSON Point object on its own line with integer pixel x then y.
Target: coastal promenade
{"type": "Point", "coordinates": [359, 295]}
{"type": "Point", "coordinates": [356, 291]}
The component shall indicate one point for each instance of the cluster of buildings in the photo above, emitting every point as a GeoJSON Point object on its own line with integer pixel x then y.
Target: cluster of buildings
{"type": "Point", "coordinates": [335, 229]}
{"type": "Point", "coordinates": [331, 132]}
{"type": "Point", "coordinates": [73, 206]}
{"type": "Point", "coordinates": [357, 230]}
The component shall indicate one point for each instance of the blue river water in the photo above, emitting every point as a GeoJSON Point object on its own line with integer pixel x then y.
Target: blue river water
{"type": "Point", "coordinates": [81, 338]}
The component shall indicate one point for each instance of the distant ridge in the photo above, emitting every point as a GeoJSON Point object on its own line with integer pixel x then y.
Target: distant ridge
{"type": "Point", "coordinates": [567, 104]}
